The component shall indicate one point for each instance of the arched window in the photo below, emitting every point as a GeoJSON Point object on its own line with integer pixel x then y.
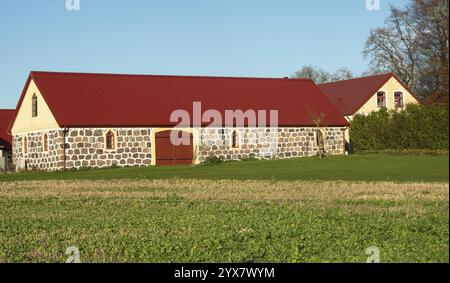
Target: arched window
{"type": "Point", "coordinates": [25, 145]}
{"type": "Point", "coordinates": [234, 140]}
{"type": "Point", "coordinates": [110, 140]}
{"type": "Point", "coordinates": [34, 106]}
{"type": "Point", "coordinates": [45, 142]}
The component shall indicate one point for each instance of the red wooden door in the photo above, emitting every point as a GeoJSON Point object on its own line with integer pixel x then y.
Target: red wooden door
{"type": "Point", "coordinates": [169, 154]}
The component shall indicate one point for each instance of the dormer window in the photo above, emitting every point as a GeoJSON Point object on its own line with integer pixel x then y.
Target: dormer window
{"type": "Point", "coordinates": [381, 99]}
{"type": "Point", "coordinates": [398, 98]}
{"type": "Point", "coordinates": [34, 106]}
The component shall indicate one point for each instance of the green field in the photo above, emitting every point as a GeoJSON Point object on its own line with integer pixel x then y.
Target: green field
{"type": "Point", "coordinates": [399, 204]}
{"type": "Point", "coordinates": [415, 168]}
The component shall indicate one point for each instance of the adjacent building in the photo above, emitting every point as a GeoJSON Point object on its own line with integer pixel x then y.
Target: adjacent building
{"type": "Point", "coordinates": [367, 94]}
{"type": "Point", "coordinates": [6, 116]}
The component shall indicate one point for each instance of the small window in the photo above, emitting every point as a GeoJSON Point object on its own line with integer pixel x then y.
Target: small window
{"type": "Point", "coordinates": [234, 140]}
{"type": "Point", "coordinates": [45, 141]}
{"type": "Point", "coordinates": [381, 99]}
{"type": "Point", "coordinates": [34, 106]}
{"type": "Point", "coordinates": [25, 145]}
{"type": "Point", "coordinates": [110, 143]}
{"type": "Point", "coordinates": [221, 133]}
{"type": "Point", "coordinates": [319, 139]}
{"type": "Point", "coordinates": [398, 98]}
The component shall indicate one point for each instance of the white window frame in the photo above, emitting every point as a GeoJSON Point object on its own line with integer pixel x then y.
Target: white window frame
{"type": "Point", "coordinates": [385, 99]}
{"type": "Point", "coordinates": [403, 99]}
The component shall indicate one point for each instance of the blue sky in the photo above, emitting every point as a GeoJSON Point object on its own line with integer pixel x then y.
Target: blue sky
{"type": "Point", "coordinates": [258, 38]}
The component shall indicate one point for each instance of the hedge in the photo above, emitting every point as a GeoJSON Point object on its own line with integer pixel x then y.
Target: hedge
{"type": "Point", "coordinates": [416, 127]}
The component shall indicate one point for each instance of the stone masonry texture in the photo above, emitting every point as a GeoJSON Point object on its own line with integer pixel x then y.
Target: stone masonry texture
{"type": "Point", "coordinates": [85, 147]}
{"type": "Point", "coordinates": [267, 143]}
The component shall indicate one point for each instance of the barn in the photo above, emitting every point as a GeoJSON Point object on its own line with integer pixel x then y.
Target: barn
{"type": "Point", "coordinates": [74, 120]}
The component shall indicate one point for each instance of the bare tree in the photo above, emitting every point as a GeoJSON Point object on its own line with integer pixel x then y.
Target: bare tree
{"type": "Point", "coordinates": [316, 74]}
{"type": "Point", "coordinates": [318, 119]}
{"type": "Point", "coordinates": [320, 76]}
{"type": "Point", "coordinates": [393, 48]}
{"type": "Point", "coordinates": [342, 74]}
{"type": "Point", "coordinates": [430, 20]}
{"type": "Point", "coordinates": [414, 45]}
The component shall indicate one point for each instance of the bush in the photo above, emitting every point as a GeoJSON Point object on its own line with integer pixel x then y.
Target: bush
{"type": "Point", "coordinates": [213, 160]}
{"type": "Point", "coordinates": [418, 127]}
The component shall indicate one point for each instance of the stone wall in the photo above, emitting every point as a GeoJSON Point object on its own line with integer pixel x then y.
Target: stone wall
{"type": "Point", "coordinates": [266, 143]}
{"type": "Point", "coordinates": [35, 157]}
{"type": "Point", "coordinates": [85, 147]}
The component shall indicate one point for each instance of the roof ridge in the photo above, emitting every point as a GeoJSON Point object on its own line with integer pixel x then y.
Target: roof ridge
{"type": "Point", "coordinates": [168, 76]}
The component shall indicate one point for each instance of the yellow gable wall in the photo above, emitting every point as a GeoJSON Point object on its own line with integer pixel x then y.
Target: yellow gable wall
{"type": "Point", "coordinates": [25, 122]}
{"type": "Point", "coordinates": [390, 87]}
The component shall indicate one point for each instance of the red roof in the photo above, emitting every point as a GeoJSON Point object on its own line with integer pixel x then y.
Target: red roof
{"type": "Point", "coordinates": [350, 95]}
{"type": "Point", "coordinates": [95, 100]}
{"type": "Point", "coordinates": [6, 117]}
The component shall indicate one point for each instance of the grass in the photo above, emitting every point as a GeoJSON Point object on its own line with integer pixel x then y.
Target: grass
{"type": "Point", "coordinates": [377, 167]}
{"type": "Point", "coordinates": [193, 220]}
{"type": "Point", "coordinates": [296, 210]}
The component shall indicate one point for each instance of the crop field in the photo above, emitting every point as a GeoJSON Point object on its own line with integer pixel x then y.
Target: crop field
{"type": "Point", "coordinates": [224, 219]}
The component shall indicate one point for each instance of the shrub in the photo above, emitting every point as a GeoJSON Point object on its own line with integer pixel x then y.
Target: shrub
{"type": "Point", "coordinates": [417, 127]}
{"type": "Point", "coordinates": [213, 160]}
